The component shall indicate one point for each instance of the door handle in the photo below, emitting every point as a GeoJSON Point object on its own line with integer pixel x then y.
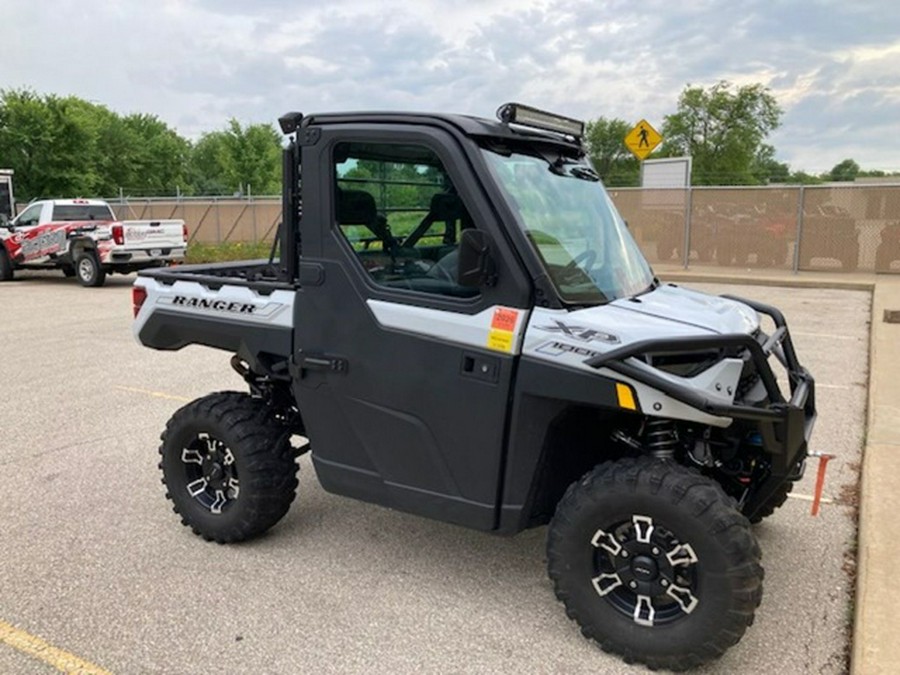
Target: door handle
{"type": "Point", "coordinates": [321, 362]}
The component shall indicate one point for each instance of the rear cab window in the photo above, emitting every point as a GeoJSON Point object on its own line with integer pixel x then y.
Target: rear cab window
{"type": "Point", "coordinates": [72, 212]}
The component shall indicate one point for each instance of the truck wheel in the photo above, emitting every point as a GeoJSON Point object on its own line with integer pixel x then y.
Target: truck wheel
{"type": "Point", "coordinates": [88, 270]}
{"type": "Point", "coordinates": [655, 563]}
{"type": "Point", "coordinates": [229, 467]}
{"type": "Point", "coordinates": [6, 268]}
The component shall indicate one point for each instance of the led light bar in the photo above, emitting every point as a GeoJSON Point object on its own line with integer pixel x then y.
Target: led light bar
{"type": "Point", "coordinates": [516, 113]}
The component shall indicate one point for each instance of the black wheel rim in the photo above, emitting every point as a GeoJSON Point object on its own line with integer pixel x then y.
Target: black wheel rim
{"type": "Point", "coordinates": [211, 474]}
{"type": "Point", "coordinates": [644, 571]}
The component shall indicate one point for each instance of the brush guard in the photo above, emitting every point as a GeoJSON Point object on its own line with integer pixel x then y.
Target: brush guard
{"type": "Point", "coordinates": [785, 425]}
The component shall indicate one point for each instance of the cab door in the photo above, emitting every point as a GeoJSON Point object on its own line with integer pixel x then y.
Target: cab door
{"type": "Point", "coordinates": [402, 375]}
{"type": "Point", "coordinates": [32, 242]}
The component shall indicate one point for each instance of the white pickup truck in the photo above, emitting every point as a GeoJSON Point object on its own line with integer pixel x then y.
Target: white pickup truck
{"type": "Point", "coordinates": [83, 238]}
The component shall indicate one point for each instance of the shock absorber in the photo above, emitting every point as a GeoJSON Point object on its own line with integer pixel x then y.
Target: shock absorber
{"type": "Point", "coordinates": [660, 437]}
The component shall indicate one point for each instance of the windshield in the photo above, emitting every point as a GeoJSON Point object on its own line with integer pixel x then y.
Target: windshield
{"type": "Point", "coordinates": [567, 216]}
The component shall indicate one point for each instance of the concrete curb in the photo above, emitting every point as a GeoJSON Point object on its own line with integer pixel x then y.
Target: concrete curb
{"type": "Point", "coordinates": [730, 275]}
{"type": "Point", "coordinates": [876, 649]}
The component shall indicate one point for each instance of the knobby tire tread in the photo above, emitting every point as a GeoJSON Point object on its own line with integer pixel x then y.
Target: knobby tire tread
{"type": "Point", "coordinates": [268, 470]}
{"type": "Point", "coordinates": [687, 489]}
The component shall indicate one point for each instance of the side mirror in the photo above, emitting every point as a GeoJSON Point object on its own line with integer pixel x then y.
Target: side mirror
{"type": "Point", "coordinates": [6, 222]}
{"type": "Point", "coordinates": [476, 265]}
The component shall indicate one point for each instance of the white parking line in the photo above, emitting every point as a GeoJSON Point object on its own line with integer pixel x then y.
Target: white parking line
{"type": "Point", "coordinates": [828, 335]}
{"type": "Point", "coordinates": [809, 498]}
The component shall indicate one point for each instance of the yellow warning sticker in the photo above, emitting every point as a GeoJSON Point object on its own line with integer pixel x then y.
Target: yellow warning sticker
{"type": "Point", "coordinates": [500, 340]}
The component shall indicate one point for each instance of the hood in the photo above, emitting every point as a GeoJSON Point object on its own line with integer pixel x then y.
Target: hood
{"type": "Point", "coordinates": [666, 312]}
{"type": "Point", "coordinates": [708, 313]}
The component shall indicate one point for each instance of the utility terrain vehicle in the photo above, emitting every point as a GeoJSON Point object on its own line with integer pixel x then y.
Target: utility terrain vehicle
{"type": "Point", "coordinates": [461, 325]}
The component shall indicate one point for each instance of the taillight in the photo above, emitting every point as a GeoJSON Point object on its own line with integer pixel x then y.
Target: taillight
{"type": "Point", "coordinates": [118, 234]}
{"type": "Point", "coordinates": [138, 295]}
{"type": "Point", "coordinates": [184, 232]}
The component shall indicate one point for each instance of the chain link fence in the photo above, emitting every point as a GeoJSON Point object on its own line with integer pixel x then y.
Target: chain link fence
{"type": "Point", "coordinates": [210, 220]}
{"type": "Point", "coordinates": [829, 228]}
{"type": "Point", "coordinates": [843, 228]}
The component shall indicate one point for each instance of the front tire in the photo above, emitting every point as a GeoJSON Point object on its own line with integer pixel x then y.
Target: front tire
{"type": "Point", "coordinates": [88, 269]}
{"type": "Point", "coordinates": [229, 466]}
{"type": "Point", "coordinates": [6, 268]}
{"type": "Point", "coordinates": [655, 563]}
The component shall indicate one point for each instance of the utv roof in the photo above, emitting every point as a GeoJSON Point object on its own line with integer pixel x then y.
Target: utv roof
{"type": "Point", "coordinates": [467, 124]}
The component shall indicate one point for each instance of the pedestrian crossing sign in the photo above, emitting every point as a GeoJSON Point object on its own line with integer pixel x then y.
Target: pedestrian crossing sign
{"type": "Point", "coordinates": [643, 139]}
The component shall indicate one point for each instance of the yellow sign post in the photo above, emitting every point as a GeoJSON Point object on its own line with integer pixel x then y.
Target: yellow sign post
{"type": "Point", "coordinates": [643, 139]}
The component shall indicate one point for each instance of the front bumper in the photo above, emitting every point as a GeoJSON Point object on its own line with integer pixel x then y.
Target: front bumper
{"type": "Point", "coordinates": [784, 424]}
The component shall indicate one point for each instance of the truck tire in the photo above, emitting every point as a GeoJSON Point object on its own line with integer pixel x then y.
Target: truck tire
{"type": "Point", "coordinates": [6, 268]}
{"type": "Point", "coordinates": [228, 466]}
{"type": "Point", "coordinates": [88, 269]}
{"type": "Point", "coordinates": [655, 563]}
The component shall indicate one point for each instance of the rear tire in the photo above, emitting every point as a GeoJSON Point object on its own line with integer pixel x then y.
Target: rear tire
{"type": "Point", "coordinates": [655, 563]}
{"type": "Point", "coordinates": [6, 268]}
{"type": "Point", "coordinates": [229, 466]}
{"type": "Point", "coordinates": [88, 269]}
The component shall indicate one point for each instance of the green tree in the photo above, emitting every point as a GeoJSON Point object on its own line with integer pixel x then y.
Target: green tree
{"type": "Point", "coordinates": [723, 129]}
{"type": "Point", "coordinates": [238, 159]}
{"type": "Point", "coordinates": [846, 170]}
{"type": "Point", "coordinates": [69, 147]}
{"type": "Point", "coordinates": [49, 142]}
{"type": "Point", "coordinates": [804, 178]}
{"type": "Point", "coordinates": [767, 169]}
{"type": "Point", "coordinates": [612, 160]}
{"type": "Point", "coordinates": [160, 155]}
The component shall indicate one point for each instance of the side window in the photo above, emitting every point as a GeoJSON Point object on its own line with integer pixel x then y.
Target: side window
{"type": "Point", "coordinates": [400, 213]}
{"type": "Point", "coordinates": [30, 216]}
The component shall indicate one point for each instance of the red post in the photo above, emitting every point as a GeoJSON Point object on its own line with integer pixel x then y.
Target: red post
{"type": "Point", "coordinates": [820, 480]}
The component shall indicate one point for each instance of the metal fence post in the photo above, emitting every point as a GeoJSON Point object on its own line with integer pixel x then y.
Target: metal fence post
{"type": "Point", "coordinates": [688, 201]}
{"type": "Point", "coordinates": [218, 224]}
{"type": "Point", "coordinates": [253, 214]}
{"type": "Point", "coordinates": [799, 237]}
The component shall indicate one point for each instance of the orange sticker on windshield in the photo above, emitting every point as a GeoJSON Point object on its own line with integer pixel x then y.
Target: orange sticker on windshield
{"type": "Point", "coordinates": [504, 319]}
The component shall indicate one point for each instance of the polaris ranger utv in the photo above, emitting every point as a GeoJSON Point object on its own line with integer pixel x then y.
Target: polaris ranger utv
{"type": "Point", "coordinates": [462, 327]}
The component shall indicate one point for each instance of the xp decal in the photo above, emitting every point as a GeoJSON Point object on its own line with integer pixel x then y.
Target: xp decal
{"type": "Point", "coordinates": [580, 332]}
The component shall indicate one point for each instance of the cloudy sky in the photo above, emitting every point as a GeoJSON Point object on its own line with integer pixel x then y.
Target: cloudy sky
{"type": "Point", "coordinates": [833, 66]}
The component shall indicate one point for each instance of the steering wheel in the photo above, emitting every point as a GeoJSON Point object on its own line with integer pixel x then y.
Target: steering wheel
{"type": "Point", "coordinates": [583, 261]}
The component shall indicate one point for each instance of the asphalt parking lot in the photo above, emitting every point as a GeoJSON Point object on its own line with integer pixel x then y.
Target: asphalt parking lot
{"type": "Point", "coordinates": [96, 566]}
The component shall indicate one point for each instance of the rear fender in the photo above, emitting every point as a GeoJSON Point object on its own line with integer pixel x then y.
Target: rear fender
{"type": "Point", "coordinates": [78, 245]}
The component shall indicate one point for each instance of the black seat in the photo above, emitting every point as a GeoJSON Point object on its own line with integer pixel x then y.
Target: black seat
{"type": "Point", "coordinates": [357, 207]}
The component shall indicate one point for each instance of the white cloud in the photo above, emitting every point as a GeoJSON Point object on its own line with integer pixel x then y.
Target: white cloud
{"type": "Point", "coordinates": [834, 66]}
